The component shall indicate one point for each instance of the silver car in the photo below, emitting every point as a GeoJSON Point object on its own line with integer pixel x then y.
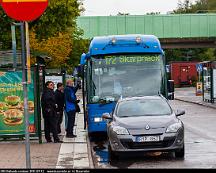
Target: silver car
{"type": "Point", "coordinates": [145, 124]}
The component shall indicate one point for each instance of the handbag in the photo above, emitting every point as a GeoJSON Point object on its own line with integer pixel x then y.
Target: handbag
{"type": "Point", "coordinates": [77, 106]}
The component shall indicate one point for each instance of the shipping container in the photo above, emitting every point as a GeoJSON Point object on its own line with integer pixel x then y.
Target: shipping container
{"type": "Point", "coordinates": [184, 73]}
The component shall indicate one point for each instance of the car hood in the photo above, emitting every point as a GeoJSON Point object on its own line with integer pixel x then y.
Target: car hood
{"type": "Point", "coordinates": [157, 124]}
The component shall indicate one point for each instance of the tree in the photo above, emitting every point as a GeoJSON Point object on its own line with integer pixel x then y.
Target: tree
{"type": "Point", "coordinates": [79, 46]}
{"type": "Point", "coordinates": [5, 30]}
{"type": "Point", "coordinates": [55, 33]}
{"type": "Point", "coordinates": [201, 6]}
{"type": "Point", "coordinates": [184, 7]}
{"type": "Point", "coordinates": [58, 47]}
{"type": "Point", "coordinates": [153, 13]}
{"type": "Point", "coordinates": [60, 16]}
{"type": "Point", "coordinates": [123, 14]}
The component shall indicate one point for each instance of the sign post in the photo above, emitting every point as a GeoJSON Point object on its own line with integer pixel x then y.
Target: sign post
{"type": "Point", "coordinates": [199, 70]}
{"type": "Point", "coordinates": [25, 91]}
{"type": "Point", "coordinates": [25, 11]}
{"type": "Point", "coordinates": [199, 90]}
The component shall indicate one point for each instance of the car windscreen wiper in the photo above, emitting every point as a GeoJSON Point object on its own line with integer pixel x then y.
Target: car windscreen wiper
{"type": "Point", "coordinates": [124, 116]}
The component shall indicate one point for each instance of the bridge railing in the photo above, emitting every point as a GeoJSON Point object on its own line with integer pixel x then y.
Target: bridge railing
{"type": "Point", "coordinates": [163, 26]}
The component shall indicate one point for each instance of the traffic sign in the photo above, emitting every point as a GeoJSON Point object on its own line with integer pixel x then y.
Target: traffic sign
{"type": "Point", "coordinates": [199, 67]}
{"type": "Point", "coordinates": [24, 10]}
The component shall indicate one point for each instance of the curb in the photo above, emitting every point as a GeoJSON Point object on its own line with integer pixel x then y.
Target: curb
{"type": "Point", "coordinates": [201, 104]}
{"type": "Point", "coordinates": [91, 164]}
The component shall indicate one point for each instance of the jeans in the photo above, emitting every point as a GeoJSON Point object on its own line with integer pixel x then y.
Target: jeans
{"type": "Point", "coordinates": [71, 120]}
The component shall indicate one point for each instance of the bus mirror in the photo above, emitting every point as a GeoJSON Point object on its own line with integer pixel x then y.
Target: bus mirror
{"type": "Point", "coordinates": [170, 88]}
{"type": "Point", "coordinates": [106, 116]}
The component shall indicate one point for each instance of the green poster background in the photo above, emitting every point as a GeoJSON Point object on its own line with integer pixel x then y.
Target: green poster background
{"type": "Point", "coordinates": [12, 121]}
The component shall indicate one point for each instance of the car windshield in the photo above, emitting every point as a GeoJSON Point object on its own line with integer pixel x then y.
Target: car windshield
{"type": "Point", "coordinates": [143, 107]}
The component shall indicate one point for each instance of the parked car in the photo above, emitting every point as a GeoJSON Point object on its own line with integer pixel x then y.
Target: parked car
{"type": "Point", "coordinates": [142, 124]}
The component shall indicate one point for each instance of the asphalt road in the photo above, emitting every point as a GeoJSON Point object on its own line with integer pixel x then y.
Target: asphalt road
{"type": "Point", "coordinates": [200, 142]}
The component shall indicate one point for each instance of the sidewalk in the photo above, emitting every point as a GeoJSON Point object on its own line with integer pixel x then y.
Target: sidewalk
{"type": "Point", "coordinates": [189, 95]}
{"type": "Point", "coordinates": [74, 153]}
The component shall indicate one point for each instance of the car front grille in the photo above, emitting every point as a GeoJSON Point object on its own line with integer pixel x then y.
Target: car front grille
{"type": "Point", "coordinates": [147, 145]}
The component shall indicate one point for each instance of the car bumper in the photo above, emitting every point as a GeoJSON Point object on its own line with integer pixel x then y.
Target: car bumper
{"type": "Point", "coordinates": [128, 143]}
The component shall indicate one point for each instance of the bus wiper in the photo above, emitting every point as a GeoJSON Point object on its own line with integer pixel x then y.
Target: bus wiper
{"type": "Point", "coordinates": [104, 101]}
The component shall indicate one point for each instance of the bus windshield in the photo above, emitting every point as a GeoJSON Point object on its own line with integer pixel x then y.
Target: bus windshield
{"type": "Point", "coordinates": [116, 76]}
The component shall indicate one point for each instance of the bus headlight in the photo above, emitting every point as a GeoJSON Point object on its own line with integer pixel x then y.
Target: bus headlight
{"type": "Point", "coordinates": [98, 119]}
{"type": "Point", "coordinates": [120, 130]}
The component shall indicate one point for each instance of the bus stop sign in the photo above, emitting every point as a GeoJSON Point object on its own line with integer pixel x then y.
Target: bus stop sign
{"type": "Point", "coordinates": [24, 10]}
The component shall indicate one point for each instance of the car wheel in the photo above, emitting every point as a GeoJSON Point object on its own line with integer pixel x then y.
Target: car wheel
{"type": "Point", "coordinates": [180, 153]}
{"type": "Point", "coordinates": [112, 155]}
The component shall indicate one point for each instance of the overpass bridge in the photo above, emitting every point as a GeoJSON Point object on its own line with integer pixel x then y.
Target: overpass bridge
{"type": "Point", "coordinates": [174, 31]}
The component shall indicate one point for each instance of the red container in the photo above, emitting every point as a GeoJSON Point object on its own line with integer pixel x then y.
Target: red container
{"type": "Point", "coordinates": [183, 73]}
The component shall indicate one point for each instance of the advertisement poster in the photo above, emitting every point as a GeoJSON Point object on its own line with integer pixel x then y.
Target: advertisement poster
{"type": "Point", "coordinates": [12, 121]}
{"type": "Point", "coordinates": [214, 83]}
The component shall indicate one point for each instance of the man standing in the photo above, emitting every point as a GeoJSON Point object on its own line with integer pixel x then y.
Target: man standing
{"type": "Point", "coordinates": [49, 106]}
{"type": "Point", "coordinates": [59, 97]}
{"type": "Point", "coordinates": [70, 106]}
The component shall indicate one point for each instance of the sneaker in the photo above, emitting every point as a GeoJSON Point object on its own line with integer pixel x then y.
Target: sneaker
{"type": "Point", "coordinates": [58, 141]}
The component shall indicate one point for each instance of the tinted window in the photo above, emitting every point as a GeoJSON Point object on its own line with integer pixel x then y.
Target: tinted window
{"type": "Point", "coordinates": [145, 107]}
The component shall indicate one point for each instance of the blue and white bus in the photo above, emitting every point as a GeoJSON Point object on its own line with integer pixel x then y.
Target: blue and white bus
{"type": "Point", "coordinates": [120, 66]}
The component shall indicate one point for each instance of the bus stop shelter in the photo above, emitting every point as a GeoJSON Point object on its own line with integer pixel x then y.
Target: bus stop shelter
{"type": "Point", "coordinates": [209, 81]}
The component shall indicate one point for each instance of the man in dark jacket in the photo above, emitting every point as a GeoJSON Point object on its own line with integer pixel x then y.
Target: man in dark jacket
{"type": "Point", "coordinates": [49, 106]}
{"type": "Point", "coordinates": [59, 97]}
{"type": "Point", "coordinates": [70, 107]}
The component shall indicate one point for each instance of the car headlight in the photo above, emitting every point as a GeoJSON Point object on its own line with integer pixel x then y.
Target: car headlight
{"type": "Point", "coordinates": [174, 128]}
{"type": "Point", "coordinates": [120, 130]}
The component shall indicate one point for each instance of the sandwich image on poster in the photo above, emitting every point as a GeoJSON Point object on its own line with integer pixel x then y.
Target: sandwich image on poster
{"type": "Point", "coordinates": [30, 106]}
{"type": "Point", "coordinates": [13, 117]}
{"type": "Point", "coordinates": [12, 101]}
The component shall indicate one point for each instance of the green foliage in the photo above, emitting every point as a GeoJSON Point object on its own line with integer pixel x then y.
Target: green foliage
{"type": "Point", "coordinates": [204, 54]}
{"type": "Point", "coordinates": [79, 46]}
{"type": "Point", "coordinates": [55, 33]}
{"type": "Point", "coordinates": [5, 30]}
{"type": "Point", "coordinates": [201, 6]}
{"type": "Point", "coordinates": [60, 16]}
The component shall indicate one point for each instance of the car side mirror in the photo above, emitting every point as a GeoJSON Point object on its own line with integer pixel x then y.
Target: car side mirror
{"type": "Point", "coordinates": [180, 112]}
{"type": "Point", "coordinates": [106, 116]}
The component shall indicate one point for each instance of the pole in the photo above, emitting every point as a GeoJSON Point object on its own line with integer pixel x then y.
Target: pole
{"type": "Point", "coordinates": [25, 94]}
{"type": "Point", "coordinates": [13, 31]}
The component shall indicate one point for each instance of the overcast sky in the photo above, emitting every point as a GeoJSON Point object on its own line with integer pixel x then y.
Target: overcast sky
{"type": "Point", "coordinates": [134, 7]}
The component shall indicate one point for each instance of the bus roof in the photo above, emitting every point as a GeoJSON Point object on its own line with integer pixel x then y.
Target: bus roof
{"type": "Point", "coordinates": [115, 44]}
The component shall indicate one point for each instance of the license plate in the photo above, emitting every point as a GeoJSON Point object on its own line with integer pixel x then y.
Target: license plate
{"type": "Point", "coordinates": [148, 138]}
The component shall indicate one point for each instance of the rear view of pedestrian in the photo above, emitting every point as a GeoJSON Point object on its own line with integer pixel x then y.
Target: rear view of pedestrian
{"type": "Point", "coordinates": [70, 107]}
{"type": "Point", "coordinates": [49, 106]}
{"type": "Point", "coordinates": [59, 97]}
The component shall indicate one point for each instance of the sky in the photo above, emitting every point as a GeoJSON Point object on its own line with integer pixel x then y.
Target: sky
{"type": "Point", "coordinates": [134, 7]}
